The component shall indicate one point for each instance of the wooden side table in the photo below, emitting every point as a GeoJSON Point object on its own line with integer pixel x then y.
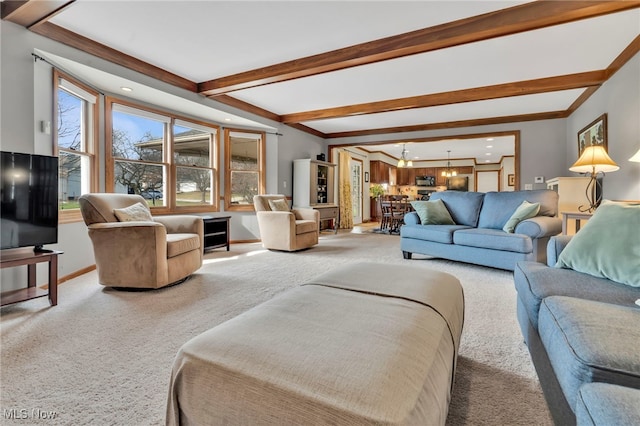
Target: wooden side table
{"type": "Point", "coordinates": [577, 216]}
{"type": "Point", "coordinates": [31, 258]}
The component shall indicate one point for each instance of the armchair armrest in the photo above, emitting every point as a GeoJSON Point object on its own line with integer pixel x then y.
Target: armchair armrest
{"type": "Point", "coordinates": [555, 246]}
{"type": "Point", "coordinates": [181, 224]}
{"type": "Point", "coordinates": [279, 222]}
{"type": "Point", "coordinates": [540, 226]}
{"type": "Point", "coordinates": [306, 214]}
{"type": "Point", "coordinates": [141, 245]}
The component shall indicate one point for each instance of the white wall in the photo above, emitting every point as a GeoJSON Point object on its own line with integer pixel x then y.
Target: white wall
{"type": "Point", "coordinates": [542, 144]}
{"type": "Point", "coordinates": [619, 97]}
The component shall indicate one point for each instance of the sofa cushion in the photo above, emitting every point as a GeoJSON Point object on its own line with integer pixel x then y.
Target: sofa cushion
{"type": "Point", "coordinates": [436, 233]}
{"type": "Point", "coordinates": [608, 246]}
{"type": "Point", "coordinates": [432, 212]}
{"type": "Point", "coordinates": [607, 404]}
{"type": "Point", "coordinates": [304, 226]}
{"type": "Point", "coordinates": [589, 341]}
{"type": "Point", "coordinates": [178, 244]}
{"type": "Point", "coordinates": [464, 207]}
{"type": "Point", "coordinates": [535, 281]}
{"type": "Point", "coordinates": [493, 239]}
{"type": "Point", "coordinates": [524, 211]}
{"type": "Point", "coordinates": [499, 206]}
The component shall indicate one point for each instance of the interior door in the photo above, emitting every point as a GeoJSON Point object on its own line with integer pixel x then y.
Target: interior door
{"type": "Point", "coordinates": [356, 190]}
{"type": "Point", "coordinates": [487, 180]}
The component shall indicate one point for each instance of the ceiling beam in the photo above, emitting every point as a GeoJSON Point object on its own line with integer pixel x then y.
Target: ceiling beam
{"type": "Point", "coordinates": [64, 36]}
{"type": "Point", "coordinates": [519, 88]}
{"type": "Point", "coordinates": [525, 17]}
{"type": "Point", "coordinates": [32, 12]}
{"type": "Point", "coordinates": [452, 124]}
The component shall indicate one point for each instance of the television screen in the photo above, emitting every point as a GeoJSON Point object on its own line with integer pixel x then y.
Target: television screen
{"type": "Point", "coordinates": [458, 183]}
{"type": "Point", "coordinates": [28, 200]}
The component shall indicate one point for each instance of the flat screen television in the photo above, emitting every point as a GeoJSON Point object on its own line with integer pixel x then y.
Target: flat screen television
{"type": "Point", "coordinates": [458, 183]}
{"type": "Point", "coordinates": [28, 200]}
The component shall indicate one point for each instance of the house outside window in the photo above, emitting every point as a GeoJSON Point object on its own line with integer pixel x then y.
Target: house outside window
{"type": "Point", "coordinates": [170, 161]}
{"type": "Point", "coordinates": [245, 168]}
{"type": "Point", "coordinates": [75, 139]}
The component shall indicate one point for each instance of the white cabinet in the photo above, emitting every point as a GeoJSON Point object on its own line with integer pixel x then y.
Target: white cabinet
{"type": "Point", "coordinates": [572, 194]}
{"type": "Point", "coordinates": [314, 186]}
{"type": "Point", "coordinates": [313, 183]}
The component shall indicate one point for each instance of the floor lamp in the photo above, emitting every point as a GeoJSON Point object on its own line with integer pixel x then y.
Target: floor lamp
{"type": "Point", "coordinates": [594, 161]}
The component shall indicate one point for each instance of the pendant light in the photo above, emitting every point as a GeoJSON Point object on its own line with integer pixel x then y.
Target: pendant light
{"type": "Point", "coordinates": [448, 172]}
{"type": "Point", "coordinates": [403, 162]}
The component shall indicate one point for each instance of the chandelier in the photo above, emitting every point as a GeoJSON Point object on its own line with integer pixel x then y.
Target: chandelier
{"type": "Point", "coordinates": [403, 162]}
{"type": "Point", "coordinates": [448, 172]}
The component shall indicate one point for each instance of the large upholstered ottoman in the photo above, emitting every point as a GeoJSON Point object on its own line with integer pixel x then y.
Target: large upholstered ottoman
{"type": "Point", "coordinates": [362, 344]}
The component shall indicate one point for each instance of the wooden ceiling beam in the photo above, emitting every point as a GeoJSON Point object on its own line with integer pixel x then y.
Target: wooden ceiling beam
{"type": "Point", "coordinates": [519, 88]}
{"type": "Point", "coordinates": [452, 124]}
{"type": "Point", "coordinates": [32, 12]}
{"type": "Point", "coordinates": [517, 19]}
{"type": "Point", "coordinates": [64, 36]}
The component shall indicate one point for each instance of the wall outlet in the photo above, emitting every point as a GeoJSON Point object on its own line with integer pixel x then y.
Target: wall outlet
{"type": "Point", "coordinates": [538, 179]}
{"type": "Point", "coordinates": [528, 186]}
{"type": "Point", "coordinates": [284, 183]}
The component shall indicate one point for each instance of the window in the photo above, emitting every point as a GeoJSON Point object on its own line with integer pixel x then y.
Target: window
{"type": "Point", "coordinates": [75, 143]}
{"type": "Point", "coordinates": [196, 177]}
{"type": "Point", "coordinates": [169, 161]}
{"type": "Point", "coordinates": [244, 165]}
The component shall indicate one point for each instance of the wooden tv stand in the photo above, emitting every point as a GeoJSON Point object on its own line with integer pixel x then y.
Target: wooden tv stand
{"type": "Point", "coordinates": [31, 258]}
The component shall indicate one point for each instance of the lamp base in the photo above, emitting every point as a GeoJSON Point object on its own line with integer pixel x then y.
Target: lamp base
{"type": "Point", "coordinates": [593, 193]}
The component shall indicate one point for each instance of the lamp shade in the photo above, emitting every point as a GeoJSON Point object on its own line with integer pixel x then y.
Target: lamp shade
{"type": "Point", "coordinates": [594, 159]}
{"type": "Point", "coordinates": [635, 157]}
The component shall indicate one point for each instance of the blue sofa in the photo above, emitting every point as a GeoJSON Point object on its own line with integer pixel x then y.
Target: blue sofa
{"type": "Point", "coordinates": [582, 332]}
{"type": "Point", "coordinates": [477, 236]}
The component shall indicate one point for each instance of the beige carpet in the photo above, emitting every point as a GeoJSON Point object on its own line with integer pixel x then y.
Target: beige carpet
{"type": "Point", "coordinates": [103, 357]}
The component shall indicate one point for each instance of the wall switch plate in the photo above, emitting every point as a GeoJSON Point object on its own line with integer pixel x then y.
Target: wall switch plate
{"type": "Point", "coordinates": [538, 179]}
{"type": "Point", "coordinates": [284, 184]}
{"type": "Point", "coordinates": [528, 186]}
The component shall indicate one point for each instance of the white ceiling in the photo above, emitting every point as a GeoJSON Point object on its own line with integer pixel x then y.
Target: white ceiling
{"type": "Point", "coordinates": [205, 40]}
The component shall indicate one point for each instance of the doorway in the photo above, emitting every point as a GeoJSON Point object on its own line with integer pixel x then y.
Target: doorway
{"type": "Point", "coordinates": [356, 190]}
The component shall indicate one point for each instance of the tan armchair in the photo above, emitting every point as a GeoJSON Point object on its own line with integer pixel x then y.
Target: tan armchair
{"type": "Point", "coordinates": [141, 254]}
{"type": "Point", "coordinates": [286, 230]}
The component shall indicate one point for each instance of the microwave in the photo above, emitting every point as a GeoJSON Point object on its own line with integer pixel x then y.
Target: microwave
{"type": "Point", "coordinates": [425, 181]}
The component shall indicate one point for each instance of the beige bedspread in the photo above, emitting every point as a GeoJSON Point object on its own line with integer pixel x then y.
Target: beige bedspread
{"type": "Point", "coordinates": [365, 344]}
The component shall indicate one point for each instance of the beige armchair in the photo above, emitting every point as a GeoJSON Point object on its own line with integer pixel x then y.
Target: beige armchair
{"type": "Point", "coordinates": [286, 230]}
{"type": "Point", "coordinates": [148, 253]}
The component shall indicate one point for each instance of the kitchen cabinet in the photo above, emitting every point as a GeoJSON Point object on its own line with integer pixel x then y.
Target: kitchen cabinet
{"type": "Point", "coordinates": [381, 172]}
{"type": "Point", "coordinates": [405, 176]}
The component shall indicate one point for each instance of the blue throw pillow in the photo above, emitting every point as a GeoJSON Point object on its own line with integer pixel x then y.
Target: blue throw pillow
{"type": "Point", "coordinates": [608, 246]}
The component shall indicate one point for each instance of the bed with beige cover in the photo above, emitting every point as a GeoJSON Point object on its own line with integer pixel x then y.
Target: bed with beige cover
{"type": "Point", "coordinates": [362, 344]}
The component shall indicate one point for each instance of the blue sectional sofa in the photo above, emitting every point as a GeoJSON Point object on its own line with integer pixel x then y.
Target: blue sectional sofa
{"type": "Point", "coordinates": [477, 235]}
{"type": "Point", "coordinates": [582, 332]}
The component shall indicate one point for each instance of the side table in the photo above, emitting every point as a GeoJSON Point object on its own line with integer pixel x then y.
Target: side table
{"type": "Point", "coordinates": [31, 258]}
{"type": "Point", "coordinates": [216, 232]}
{"type": "Point", "coordinates": [577, 216]}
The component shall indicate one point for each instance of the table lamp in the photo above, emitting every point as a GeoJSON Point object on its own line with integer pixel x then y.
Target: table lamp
{"type": "Point", "coordinates": [635, 157]}
{"type": "Point", "coordinates": [594, 161]}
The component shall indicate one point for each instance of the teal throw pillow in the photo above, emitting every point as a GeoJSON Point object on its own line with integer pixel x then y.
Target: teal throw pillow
{"type": "Point", "coordinates": [608, 246]}
{"type": "Point", "coordinates": [432, 212]}
{"type": "Point", "coordinates": [524, 211]}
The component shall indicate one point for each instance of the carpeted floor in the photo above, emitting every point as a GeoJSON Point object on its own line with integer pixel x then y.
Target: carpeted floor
{"type": "Point", "coordinates": [104, 357]}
